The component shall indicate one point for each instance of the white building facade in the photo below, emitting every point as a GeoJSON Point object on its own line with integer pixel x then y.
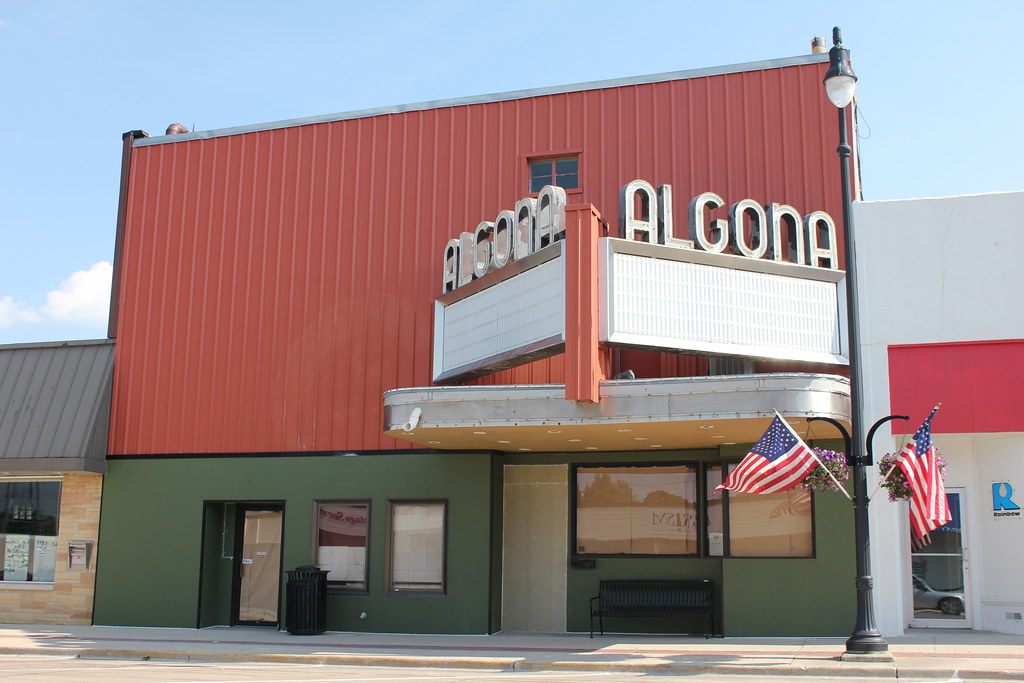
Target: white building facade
{"type": "Point", "coordinates": [943, 321]}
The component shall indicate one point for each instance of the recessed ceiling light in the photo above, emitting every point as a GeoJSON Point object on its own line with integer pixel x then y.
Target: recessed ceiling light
{"type": "Point", "coordinates": [654, 445]}
{"type": "Point", "coordinates": [640, 438]}
{"type": "Point", "coordinates": [625, 430]}
{"type": "Point", "coordinates": [479, 432]}
{"type": "Point", "coordinates": [575, 440]}
{"type": "Point", "coordinates": [707, 426]}
{"type": "Point", "coordinates": [554, 431]}
{"type": "Point", "coordinates": [728, 443]}
{"type": "Point", "coordinates": [503, 441]}
{"type": "Point", "coordinates": [434, 442]}
{"type": "Point", "coordinates": [718, 436]}
{"type": "Point", "coordinates": [591, 448]}
{"type": "Point", "coordinates": [526, 449]}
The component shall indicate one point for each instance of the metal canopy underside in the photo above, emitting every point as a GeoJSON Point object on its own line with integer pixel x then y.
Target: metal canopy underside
{"type": "Point", "coordinates": [646, 414]}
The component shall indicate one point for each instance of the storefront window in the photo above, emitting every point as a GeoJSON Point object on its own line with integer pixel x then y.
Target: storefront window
{"type": "Point", "coordinates": [341, 543]}
{"type": "Point", "coordinates": [417, 547]}
{"type": "Point", "coordinates": [28, 529]}
{"type": "Point", "coordinates": [758, 525]}
{"type": "Point", "coordinates": [636, 510]}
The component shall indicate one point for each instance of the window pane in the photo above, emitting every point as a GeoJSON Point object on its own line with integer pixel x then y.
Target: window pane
{"type": "Point", "coordinates": [636, 510]}
{"type": "Point", "coordinates": [341, 543]}
{"type": "Point", "coordinates": [568, 181]}
{"type": "Point", "coordinates": [28, 530]}
{"type": "Point", "coordinates": [570, 166]}
{"type": "Point", "coordinates": [541, 174]}
{"type": "Point", "coordinates": [417, 547]}
{"type": "Point", "coordinates": [771, 524]}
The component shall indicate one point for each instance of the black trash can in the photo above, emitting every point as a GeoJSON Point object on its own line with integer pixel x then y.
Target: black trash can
{"type": "Point", "coordinates": [306, 594]}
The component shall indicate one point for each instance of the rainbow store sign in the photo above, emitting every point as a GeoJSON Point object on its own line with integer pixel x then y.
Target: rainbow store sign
{"type": "Point", "coordinates": [762, 283]}
{"type": "Point", "coordinates": [751, 231]}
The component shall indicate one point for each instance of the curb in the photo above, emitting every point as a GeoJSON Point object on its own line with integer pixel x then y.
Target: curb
{"type": "Point", "coordinates": [500, 663]}
{"type": "Point", "coordinates": [840, 670]}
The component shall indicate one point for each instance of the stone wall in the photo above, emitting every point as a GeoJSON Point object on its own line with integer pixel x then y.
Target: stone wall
{"type": "Point", "coordinates": [68, 600]}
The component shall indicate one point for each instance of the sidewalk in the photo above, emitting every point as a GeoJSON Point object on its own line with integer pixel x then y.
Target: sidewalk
{"type": "Point", "coordinates": [931, 654]}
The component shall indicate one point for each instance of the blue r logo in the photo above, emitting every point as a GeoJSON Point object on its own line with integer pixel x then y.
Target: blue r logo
{"type": "Point", "coordinates": [1001, 501]}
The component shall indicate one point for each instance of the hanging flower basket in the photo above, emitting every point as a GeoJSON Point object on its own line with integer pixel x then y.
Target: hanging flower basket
{"type": "Point", "coordinates": [897, 485]}
{"type": "Point", "coordinates": [818, 479]}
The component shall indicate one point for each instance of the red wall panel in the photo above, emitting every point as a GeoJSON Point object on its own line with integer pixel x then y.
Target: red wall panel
{"type": "Point", "coordinates": [276, 283]}
{"type": "Point", "coordinates": [980, 385]}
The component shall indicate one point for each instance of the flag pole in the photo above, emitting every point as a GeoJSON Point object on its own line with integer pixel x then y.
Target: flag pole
{"type": "Point", "coordinates": [816, 458]}
{"type": "Point", "coordinates": [885, 478]}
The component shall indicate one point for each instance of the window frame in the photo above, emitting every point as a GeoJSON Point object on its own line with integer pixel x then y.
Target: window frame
{"type": "Point", "coordinates": [694, 465]}
{"type": "Point", "coordinates": [389, 549]}
{"type": "Point", "coordinates": [553, 156]}
{"type": "Point", "coordinates": [333, 586]}
{"type": "Point", "coordinates": [726, 537]}
{"type": "Point", "coordinates": [30, 581]}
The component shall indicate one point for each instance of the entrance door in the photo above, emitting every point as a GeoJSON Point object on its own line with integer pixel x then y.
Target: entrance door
{"type": "Point", "coordinates": [939, 573]}
{"type": "Point", "coordinates": [533, 586]}
{"type": "Point", "coordinates": [258, 565]}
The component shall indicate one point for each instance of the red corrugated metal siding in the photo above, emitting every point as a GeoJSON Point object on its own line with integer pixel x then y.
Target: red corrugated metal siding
{"type": "Point", "coordinates": [980, 385]}
{"type": "Point", "coordinates": [276, 283]}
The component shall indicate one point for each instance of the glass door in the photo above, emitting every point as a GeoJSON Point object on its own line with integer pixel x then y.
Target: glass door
{"type": "Point", "coordinates": [939, 573]}
{"type": "Point", "coordinates": [258, 565]}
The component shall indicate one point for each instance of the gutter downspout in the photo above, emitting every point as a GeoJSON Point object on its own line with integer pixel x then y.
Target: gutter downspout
{"type": "Point", "coordinates": [128, 140]}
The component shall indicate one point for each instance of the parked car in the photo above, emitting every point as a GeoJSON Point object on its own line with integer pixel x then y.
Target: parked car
{"type": "Point", "coordinates": [926, 597]}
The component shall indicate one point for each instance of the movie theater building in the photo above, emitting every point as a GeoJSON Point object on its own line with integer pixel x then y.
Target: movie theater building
{"type": "Point", "coordinates": [472, 357]}
{"type": "Point", "coordinates": [952, 333]}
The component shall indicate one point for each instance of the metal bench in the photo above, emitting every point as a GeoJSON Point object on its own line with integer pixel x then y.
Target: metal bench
{"type": "Point", "coordinates": [654, 598]}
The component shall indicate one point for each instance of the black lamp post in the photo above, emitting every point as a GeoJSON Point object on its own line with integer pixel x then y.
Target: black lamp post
{"type": "Point", "coordinates": [840, 84]}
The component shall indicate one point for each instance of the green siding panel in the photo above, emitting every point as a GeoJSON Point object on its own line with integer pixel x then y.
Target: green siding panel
{"type": "Point", "coordinates": [152, 526]}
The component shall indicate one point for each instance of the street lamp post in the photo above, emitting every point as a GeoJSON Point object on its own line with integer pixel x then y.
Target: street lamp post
{"type": "Point", "coordinates": [840, 83]}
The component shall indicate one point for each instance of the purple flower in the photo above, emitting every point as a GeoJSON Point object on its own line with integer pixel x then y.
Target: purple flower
{"type": "Point", "coordinates": [818, 479]}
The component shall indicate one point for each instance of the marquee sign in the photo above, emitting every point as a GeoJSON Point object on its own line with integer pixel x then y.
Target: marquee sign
{"type": "Point", "coordinates": [751, 230]}
{"type": "Point", "coordinates": [763, 283]}
{"type": "Point", "coordinates": [645, 215]}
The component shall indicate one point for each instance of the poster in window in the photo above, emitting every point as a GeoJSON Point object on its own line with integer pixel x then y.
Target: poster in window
{"type": "Point", "coordinates": [343, 525]}
{"type": "Point", "coordinates": [16, 558]}
{"type": "Point", "coordinates": [341, 534]}
{"type": "Point", "coordinates": [44, 558]}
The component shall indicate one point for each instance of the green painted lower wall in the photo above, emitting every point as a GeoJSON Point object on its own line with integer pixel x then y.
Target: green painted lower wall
{"type": "Point", "coordinates": [754, 597]}
{"type": "Point", "coordinates": [167, 540]}
{"type": "Point", "coordinates": [797, 597]}
{"type": "Point", "coordinates": [156, 569]}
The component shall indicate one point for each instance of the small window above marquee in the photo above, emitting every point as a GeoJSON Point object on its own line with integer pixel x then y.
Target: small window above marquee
{"type": "Point", "coordinates": [563, 171]}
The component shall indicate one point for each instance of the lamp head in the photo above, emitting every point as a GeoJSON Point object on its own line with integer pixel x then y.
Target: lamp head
{"type": "Point", "coordinates": [840, 81]}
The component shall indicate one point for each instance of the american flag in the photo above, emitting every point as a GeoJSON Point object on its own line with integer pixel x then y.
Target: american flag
{"type": "Point", "coordinates": [928, 508]}
{"type": "Point", "coordinates": [778, 461]}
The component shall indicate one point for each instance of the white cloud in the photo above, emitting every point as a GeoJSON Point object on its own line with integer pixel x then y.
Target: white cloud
{"type": "Point", "coordinates": [14, 312]}
{"type": "Point", "coordinates": [84, 297]}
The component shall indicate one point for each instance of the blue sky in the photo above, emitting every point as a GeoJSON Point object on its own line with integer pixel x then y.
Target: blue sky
{"type": "Point", "coordinates": [940, 111]}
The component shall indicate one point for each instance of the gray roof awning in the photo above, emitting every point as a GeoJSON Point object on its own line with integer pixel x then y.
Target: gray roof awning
{"type": "Point", "coordinates": [55, 406]}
